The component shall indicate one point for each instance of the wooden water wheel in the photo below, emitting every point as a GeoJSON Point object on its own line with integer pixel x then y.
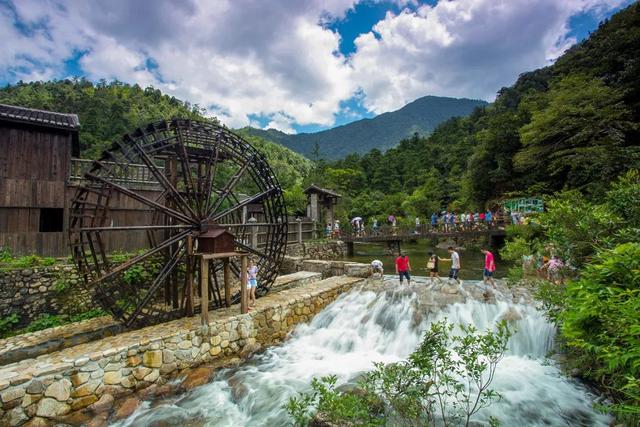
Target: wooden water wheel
{"type": "Point", "coordinates": [158, 189]}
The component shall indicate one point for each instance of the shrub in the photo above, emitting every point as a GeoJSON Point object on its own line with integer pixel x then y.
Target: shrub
{"type": "Point", "coordinates": [600, 321]}
{"type": "Point", "coordinates": [445, 381]}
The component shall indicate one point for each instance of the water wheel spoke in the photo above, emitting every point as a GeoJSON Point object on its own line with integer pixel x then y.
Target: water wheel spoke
{"type": "Point", "coordinates": [224, 193]}
{"type": "Point", "coordinates": [187, 178]}
{"type": "Point", "coordinates": [164, 182]}
{"type": "Point", "coordinates": [163, 274]}
{"type": "Point", "coordinates": [142, 199]}
{"type": "Point", "coordinates": [243, 203]}
{"type": "Point", "coordinates": [212, 167]}
{"type": "Point", "coordinates": [138, 258]}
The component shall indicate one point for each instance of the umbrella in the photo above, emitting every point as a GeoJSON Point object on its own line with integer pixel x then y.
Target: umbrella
{"type": "Point", "coordinates": [357, 218]}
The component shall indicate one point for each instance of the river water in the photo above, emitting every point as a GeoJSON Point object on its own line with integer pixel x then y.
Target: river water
{"type": "Point", "coordinates": [363, 327]}
{"type": "Point", "coordinates": [472, 260]}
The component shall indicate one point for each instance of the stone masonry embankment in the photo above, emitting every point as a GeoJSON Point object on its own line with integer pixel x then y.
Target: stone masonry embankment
{"type": "Point", "coordinates": [31, 292]}
{"type": "Point", "coordinates": [54, 387]}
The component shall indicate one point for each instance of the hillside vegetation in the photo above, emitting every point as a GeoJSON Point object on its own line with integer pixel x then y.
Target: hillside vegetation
{"type": "Point", "coordinates": [572, 125]}
{"type": "Point", "coordinates": [381, 132]}
{"type": "Point", "coordinates": [107, 111]}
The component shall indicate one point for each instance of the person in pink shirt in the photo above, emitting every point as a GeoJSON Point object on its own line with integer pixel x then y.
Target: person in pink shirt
{"type": "Point", "coordinates": [489, 267]}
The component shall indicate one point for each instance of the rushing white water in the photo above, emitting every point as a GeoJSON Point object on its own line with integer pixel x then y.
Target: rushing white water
{"type": "Point", "coordinates": [363, 327]}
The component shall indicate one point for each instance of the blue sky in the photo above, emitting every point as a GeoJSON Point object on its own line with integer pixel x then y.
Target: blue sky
{"type": "Point", "coordinates": [297, 66]}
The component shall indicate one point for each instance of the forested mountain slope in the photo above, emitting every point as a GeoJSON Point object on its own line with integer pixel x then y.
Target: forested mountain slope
{"type": "Point", "coordinates": [382, 132]}
{"type": "Point", "coordinates": [107, 111]}
{"type": "Point", "coordinates": [572, 125]}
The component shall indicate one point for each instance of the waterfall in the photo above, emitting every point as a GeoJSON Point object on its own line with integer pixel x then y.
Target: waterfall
{"type": "Point", "coordinates": [363, 327]}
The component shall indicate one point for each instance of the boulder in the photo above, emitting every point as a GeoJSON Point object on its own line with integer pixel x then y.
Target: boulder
{"type": "Point", "coordinates": [127, 407]}
{"type": "Point", "coordinates": [197, 377]}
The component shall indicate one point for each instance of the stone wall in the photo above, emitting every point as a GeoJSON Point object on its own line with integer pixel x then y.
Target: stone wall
{"type": "Point", "coordinates": [84, 380]}
{"type": "Point", "coordinates": [326, 250]}
{"type": "Point", "coordinates": [291, 264]}
{"type": "Point", "coordinates": [30, 292]}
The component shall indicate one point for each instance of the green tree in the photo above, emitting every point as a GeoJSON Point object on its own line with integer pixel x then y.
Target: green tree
{"type": "Point", "coordinates": [579, 130]}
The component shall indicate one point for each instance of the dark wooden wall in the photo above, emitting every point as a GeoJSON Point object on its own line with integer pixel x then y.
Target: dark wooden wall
{"type": "Point", "coordinates": [34, 174]}
{"type": "Point", "coordinates": [34, 166]}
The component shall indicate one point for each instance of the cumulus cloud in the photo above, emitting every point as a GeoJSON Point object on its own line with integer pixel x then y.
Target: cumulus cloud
{"type": "Point", "coordinates": [279, 60]}
{"type": "Point", "coordinates": [463, 48]}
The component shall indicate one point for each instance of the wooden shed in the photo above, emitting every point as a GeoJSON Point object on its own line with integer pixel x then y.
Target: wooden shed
{"type": "Point", "coordinates": [36, 148]}
{"type": "Point", "coordinates": [40, 171]}
{"type": "Point", "coordinates": [321, 203]}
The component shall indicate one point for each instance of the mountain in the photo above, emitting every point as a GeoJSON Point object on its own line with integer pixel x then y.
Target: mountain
{"type": "Point", "coordinates": [382, 132]}
{"type": "Point", "coordinates": [573, 125]}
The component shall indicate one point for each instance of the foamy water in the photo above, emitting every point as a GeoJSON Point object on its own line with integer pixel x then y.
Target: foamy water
{"type": "Point", "coordinates": [363, 327]}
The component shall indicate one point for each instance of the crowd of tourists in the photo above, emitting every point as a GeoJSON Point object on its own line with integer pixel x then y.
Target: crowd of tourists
{"type": "Point", "coordinates": [445, 221]}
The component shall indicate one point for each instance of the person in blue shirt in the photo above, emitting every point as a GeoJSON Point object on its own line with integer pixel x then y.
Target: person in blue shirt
{"type": "Point", "coordinates": [434, 221]}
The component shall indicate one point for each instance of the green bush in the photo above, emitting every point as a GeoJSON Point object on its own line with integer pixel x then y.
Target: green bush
{"type": "Point", "coordinates": [445, 381]}
{"type": "Point", "coordinates": [7, 324]}
{"type": "Point", "coordinates": [600, 320]}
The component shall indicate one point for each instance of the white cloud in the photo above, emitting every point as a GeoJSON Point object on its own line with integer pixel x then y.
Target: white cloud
{"type": "Point", "coordinates": [463, 48]}
{"type": "Point", "coordinates": [277, 59]}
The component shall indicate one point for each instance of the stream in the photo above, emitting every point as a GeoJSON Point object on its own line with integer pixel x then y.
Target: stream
{"type": "Point", "coordinates": [362, 327]}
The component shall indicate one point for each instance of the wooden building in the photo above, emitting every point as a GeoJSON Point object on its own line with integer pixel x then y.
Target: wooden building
{"type": "Point", "coordinates": [36, 148]}
{"type": "Point", "coordinates": [321, 203]}
{"type": "Point", "coordinates": [40, 170]}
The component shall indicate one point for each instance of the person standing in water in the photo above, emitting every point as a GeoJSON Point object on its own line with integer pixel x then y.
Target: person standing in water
{"type": "Point", "coordinates": [432, 266]}
{"type": "Point", "coordinates": [403, 267]}
{"type": "Point", "coordinates": [252, 282]}
{"type": "Point", "coordinates": [489, 267]}
{"type": "Point", "coordinates": [455, 264]}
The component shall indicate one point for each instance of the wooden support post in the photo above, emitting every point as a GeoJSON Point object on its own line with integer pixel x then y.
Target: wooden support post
{"type": "Point", "coordinates": [204, 290]}
{"type": "Point", "coordinates": [227, 285]}
{"type": "Point", "coordinates": [244, 303]}
{"type": "Point", "coordinates": [350, 249]}
{"type": "Point", "coordinates": [314, 234]}
{"type": "Point", "coordinates": [299, 230]}
{"type": "Point", "coordinates": [254, 237]}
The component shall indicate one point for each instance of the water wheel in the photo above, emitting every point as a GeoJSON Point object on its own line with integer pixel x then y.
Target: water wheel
{"type": "Point", "coordinates": [156, 190]}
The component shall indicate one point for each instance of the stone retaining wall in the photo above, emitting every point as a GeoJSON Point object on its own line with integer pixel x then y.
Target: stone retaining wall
{"type": "Point", "coordinates": [291, 264]}
{"type": "Point", "coordinates": [30, 292]}
{"type": "Point", "coordinates": [86, 378]}
{"type": "Point", "coordinates": [324, 249]}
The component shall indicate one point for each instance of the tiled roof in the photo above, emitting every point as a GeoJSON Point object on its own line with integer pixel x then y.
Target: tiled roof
{"type": "Point", "coordinates": [315, 189]}
{"type": "Point", "coordinates": [39, 117]}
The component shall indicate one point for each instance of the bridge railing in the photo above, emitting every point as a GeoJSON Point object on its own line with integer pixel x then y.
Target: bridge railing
{"type": "Point", "coordinates": [422, 229]}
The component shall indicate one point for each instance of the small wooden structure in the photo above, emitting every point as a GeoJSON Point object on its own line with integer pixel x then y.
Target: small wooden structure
{"type": "Point", "coordinates": [35, 155]}
{"type": "Point", "coordinates": [40, 171]}
{"type": "Point", "coordinates": [205, 259]}
{"type": "Point", "coordinates": [321, 203]}
{"type": "Point", "coordinates": [216, 243]}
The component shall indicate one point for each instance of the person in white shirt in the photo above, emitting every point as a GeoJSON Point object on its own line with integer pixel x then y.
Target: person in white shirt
{"type": "Point", "coordinates": [455, 264]}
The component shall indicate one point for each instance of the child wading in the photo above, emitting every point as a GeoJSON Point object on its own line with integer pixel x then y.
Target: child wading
{"type": "Point", "coordinates": [252, 282]}
{"type": "Point", "coordinates": [403, 267]}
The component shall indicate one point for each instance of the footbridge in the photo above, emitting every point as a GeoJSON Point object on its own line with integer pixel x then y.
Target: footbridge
{"type": "Point", "coordinates": [493, 237]}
